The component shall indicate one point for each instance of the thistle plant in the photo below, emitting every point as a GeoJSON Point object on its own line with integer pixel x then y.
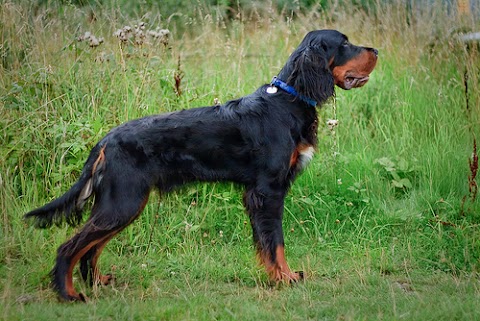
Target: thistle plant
{"type": "Point", "coordinates": [92, 40]}
{"type": "Point", "coordinates": [138, 35]}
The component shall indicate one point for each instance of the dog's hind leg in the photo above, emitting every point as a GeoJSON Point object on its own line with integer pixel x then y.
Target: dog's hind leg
{"type": "Point", "coordinates": [68, 255]}
{"type": "Point", "coordinates": [110, 215]}
{"type": "Point", "coordinates": [88, 264]}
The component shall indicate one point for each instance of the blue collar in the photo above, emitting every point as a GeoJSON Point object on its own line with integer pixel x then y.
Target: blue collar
{"type": "Point", "coordinates": [289, 89]}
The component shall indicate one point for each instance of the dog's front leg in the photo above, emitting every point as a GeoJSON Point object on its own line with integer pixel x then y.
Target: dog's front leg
{"type": "Point", "coordinates": [265, 209]}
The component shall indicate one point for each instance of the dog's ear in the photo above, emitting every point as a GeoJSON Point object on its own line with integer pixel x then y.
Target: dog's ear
{"type": "Point", "coordinates": [311, 76]}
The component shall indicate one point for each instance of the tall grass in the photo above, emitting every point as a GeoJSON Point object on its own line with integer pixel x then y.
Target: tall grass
{"type": "Point", "coordinates": [350, 223]}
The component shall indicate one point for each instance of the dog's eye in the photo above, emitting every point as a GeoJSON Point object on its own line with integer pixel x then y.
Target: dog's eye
{"type": "Point", "coordinates": [345, 43]}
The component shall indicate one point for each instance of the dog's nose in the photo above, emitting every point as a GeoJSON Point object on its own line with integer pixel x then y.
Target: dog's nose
{"type": "Point", "coordinates": [375, 51]}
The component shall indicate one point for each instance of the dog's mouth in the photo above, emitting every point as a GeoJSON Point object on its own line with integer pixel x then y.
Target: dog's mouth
{"type": "Point", "coordinates": [351, 78]}
{"type": "Point", "coordinates": [354, 81]}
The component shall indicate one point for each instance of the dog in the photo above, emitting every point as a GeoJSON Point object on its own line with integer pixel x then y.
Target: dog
{"type": "Point", "coordinates": [260, 141]}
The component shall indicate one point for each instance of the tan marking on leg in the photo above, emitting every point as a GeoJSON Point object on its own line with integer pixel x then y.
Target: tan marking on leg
{"type": "Point", "coordinates": [282, 267]}
{"type": "Point", "coordinates": [278, 270]}
{"type": "Point", "coordinates": [98, 278]}
{"type": "Point", "coordinates": [69, 276]}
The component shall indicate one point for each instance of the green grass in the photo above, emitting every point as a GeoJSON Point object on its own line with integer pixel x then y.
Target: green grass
{"type": "Point", "coordinates": [374, 243]}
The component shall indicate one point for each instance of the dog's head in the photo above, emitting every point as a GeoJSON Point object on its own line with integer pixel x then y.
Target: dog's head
{"type": "Point", "coordinates": [326, 58]}
{"type": "Point", "coordinates": [350, 65]}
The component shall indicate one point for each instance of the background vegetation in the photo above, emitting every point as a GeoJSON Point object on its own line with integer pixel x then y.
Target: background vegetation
{"type": "Point", "coordinates": [385, 221]}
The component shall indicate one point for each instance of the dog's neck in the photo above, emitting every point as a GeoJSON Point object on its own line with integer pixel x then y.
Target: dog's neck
{"type": "Point", "coordinates": [284, 76]}
{"type": "Point", "coordinates": [278, 83]}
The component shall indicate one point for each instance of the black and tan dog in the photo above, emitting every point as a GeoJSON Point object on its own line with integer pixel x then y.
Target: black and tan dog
{"type": "Point", "coordinates": [260, 141]}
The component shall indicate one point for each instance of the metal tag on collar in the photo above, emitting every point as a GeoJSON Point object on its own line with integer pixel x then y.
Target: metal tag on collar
{"type": "Point", "coordinates": [272, 89]}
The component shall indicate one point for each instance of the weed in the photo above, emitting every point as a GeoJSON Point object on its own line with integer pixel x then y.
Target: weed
{"type": "Point", "coordinates": [177, 77]}
{"type": "Point", "coordinates": [472, 183]}
{"type": "Point", "coordinates": [92, 40]}
{"type": "Point", "coordinates": [361, 192]}
{"type": "Point", "coordinates": [473, 165]}
{"type": "Point", "coordinates": [398, 171]}
{"type": "Point", "coordinates": [137, 35]}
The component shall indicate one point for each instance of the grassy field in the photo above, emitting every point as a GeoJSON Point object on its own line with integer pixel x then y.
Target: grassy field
{"type": "Point", "coordinates": [384, 222]}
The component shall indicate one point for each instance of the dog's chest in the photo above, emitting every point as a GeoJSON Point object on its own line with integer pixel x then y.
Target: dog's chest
{"type": "Point", "coordinates": [302, 156]}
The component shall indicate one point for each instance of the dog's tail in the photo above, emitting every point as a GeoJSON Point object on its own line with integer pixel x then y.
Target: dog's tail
{"type": "Point", "coordinates": [68, 207]}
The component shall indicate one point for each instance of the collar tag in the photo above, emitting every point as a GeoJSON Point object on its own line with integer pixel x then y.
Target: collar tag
{"type": "Point", "coordinates": [272, 90]}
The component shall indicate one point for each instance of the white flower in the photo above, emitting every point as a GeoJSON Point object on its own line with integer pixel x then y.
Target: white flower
{"type": "Point", "coordinates": [332, 123]}
{"type": "Point", "coordinates": [161, 35]}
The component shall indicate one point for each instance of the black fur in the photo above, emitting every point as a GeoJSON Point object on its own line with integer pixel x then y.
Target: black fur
{"type": "Point", "coordinates": [259, 141]}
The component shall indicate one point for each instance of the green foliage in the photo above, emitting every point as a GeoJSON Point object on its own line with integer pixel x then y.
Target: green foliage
{"type": "Point", "coordinates": [398, 172]}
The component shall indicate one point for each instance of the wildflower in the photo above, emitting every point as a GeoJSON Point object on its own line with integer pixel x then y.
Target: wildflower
{"type": "Point", "coordinates": [332, 123]}
{"type": "Point", "coordinates": [188, 226]}
{"type": "Point", "coordinates": [161, 35]}
{"type": "Point", "coordinates": [139, 37]}
{"type": "Point", "coordinates": [86, 35]}
{"type": "Point", "coordinates": [102, 57]}
{"type": "Point", "coordinates": [92, 40]}
{"type": "Point", "coordinates": [123, 34]}
{"type": "Point", "coordinates": [139, 34]}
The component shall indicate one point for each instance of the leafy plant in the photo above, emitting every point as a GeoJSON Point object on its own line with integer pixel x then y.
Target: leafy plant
{"type": "Point", "coordinates": [360, 191]}
{"type": "Point", "coordinates": [398, 171]}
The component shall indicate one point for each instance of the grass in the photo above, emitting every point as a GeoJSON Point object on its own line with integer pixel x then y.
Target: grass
{"type": "Point", "coordinates": [382, 221]}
